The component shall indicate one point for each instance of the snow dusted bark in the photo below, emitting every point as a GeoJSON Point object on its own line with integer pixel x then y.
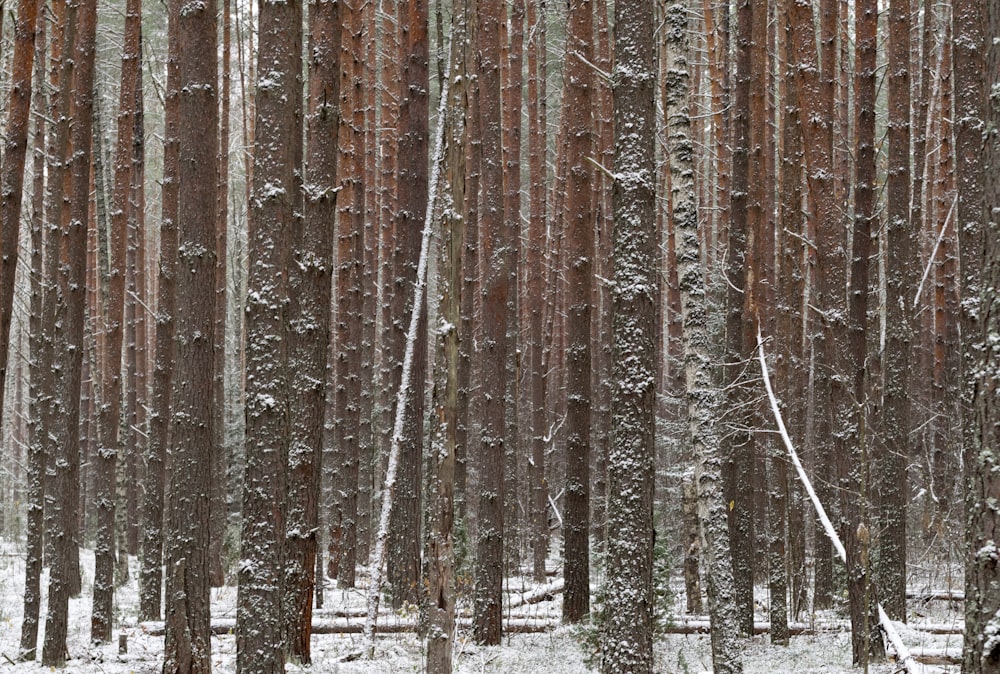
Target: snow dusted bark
{"type": "Point", "coordinates": [970, 101]}
{"type": "Point", "coordinates": [404, 532]}
{"type": "Point", "coordinates": [495, 256]}
{"type": "Point", "coordinates": [512, 96]}
{"type": "Point", "coordinates": [12, 172]}
{"type": "Point", "coordinates": [890, 474]}
{"type": "Point", "coordinates": [406, 382]}
{"type": "Point", "coordinates": [79, 36]}
{"type": "Point", "coordinates": [737, 442]}
{"type": "Point", "coordinates": [578, 103]}
{"type": "Point", "coordinates": [627, 637]}
{"type": "Point", "coordinates": [440, 539]}
{"type": "Point", "coordinates": [309, 324]}
{"type": "Point", "coordinates": [537, 175]}
{"type": "Point", "coordinates": [273, 218]}
{"type": "Point", "coordinates": [345, 421]}
{"type": "Point", "coordinates": [188, 646]}
{"type": "Point", "coordinates": [35, 495]}
{"type": "Point", "coordinates": [982, 617]}
{"type": "Point", "coordinates": [704, 397]}
{"type": "Point", "coordinates": [109, 422]}
{"type": "Point", "coordinates": [150, 573]}
{"type": "Point", "coordinates": [221, 455]}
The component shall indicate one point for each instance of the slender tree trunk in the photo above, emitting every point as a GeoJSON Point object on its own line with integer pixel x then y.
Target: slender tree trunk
{"type": "Point", "coordinates": [890, 475]}
{"type": "Point", "coordinates": [14, 156]}
{"type": "Point", "coordinates": [310, 320]}
{"type": "Point", "coordinates": [738, 446]}
{"type": "Point", "coordinates": [578, 100]}
{"type": "Point", "coordinates": [109, 422]}
{"type": "Point", "coordinates": [704, 406]}
{"type": "Point", "coordinates": [347, 335]}
{"type": "Point", "coordinates": [440, 546]}
{"type": "Point", "coordinates": [866, 640]}
{"type": "Point", "coordinates": [221, 456]}
{"type": "Point", "coordinates": [79, 36]}
{"type": "Point", "coordinates": [150, 574]}
{"type": "Point", "coordinates": [495, 260]}
{"type": "Point", "coordinates": [12, 171]}
{"type": "Point", "coordinates": [537, 179]}
{"type": "Point", "coordinates": [973, 108]}
{"type": "Point", "coordinates": [35, 524]}
{"type": "Point", "coordinates": [469, 409]}
{"type": "Point", "coordinates": [140, 299]}
{"type": "Point", "coordinates": [404, 542]}
{"type": "Point", "coordinates": [791, 277]}
{"type": "Point", "coordinates": [512, 109]}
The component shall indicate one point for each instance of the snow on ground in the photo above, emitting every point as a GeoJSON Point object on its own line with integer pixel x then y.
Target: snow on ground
{"type": "Point", "coordinates": [560, 651]}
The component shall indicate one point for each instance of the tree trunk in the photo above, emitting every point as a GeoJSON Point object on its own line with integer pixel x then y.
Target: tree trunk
{"type": "Point", "coordinates": [627, 639]}
{"type": "Point", "coordinates": [35, 496]}
{"type": "Point", "coordinates": [404, 542]}
{"type": "Point", "coordinates": [537, 178]}
{"type": "Point", "coordinates": [495, 260]}
{"type": "Point", "coordinates": [79, 40]}
{"type": "Point", "coordinates": [273, 218]}
{"type": "Point", "coordinates": [188, 646]}
{"type": "Point", "coordinates": [704, 405]}
{"type": "Point", "coordinates": [578, 101]}
{"type": "Point", "coordinates": [12, 172]}
{"type": "Point", "coordinates": [109, 422]}
{"type": "Point", "coordinates": [738, 446]}
{"type": "Point", "coordinates": [440, 542]}
{"type": "Point", "coordinates": [309, 310]}
{"type": "Point", "coordinates": [976, 62]}
{"type": "Point", "coordinates": [221, 458]}
{"type": "Point", "coordinates": [347, 335]}
{"type": "Point", "coordinates": [512, 107]}
{"type": "Point", "coordinates": [890, 473]}
{"type": "Point", "coordinates": [150, 574]}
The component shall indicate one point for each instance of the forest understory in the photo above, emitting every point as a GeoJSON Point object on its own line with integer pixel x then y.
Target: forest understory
{"type": "Point", "coordinates": [933, 633]}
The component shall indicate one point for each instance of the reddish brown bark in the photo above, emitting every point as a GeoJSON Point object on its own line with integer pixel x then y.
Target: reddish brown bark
{"type": "Point", "coordinates": [12, 171]}
{"type": "Point", "coordinates": [495, 260]}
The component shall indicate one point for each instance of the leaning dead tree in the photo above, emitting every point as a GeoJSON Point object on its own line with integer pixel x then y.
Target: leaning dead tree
{"type": "Point", "coordinates": [419, 294]}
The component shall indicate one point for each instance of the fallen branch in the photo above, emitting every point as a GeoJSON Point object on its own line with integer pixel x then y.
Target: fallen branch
{"type": "Point", "coordinates": [890, 630]}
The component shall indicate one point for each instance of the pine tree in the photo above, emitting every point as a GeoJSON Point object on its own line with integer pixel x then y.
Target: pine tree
{"type": "Point", "coordinates": [188, 633]}
{"type": "Point", "coordinates": [627, 639]}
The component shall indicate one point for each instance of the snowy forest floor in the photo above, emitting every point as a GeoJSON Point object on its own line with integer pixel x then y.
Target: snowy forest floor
{"type": "Point", "coordinates": [562, 650]}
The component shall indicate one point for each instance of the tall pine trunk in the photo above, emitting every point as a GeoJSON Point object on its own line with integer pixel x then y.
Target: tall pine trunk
{"type": "Point", "coordinates": [273, 218]}
{"type": "Point", "coordinates": [578, 102]}
{"type": "Point", "coordinates": [494, 288]}
{"type": "Point", "coordinates": [188, 645]}
{"type": "Point", "coordinates": [627, 640]}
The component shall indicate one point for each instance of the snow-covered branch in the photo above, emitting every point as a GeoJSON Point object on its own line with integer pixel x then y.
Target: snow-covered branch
{"type": "Point", "coordinates": [890, 630]}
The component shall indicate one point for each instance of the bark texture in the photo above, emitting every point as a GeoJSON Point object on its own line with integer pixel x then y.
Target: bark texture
{"type": "Point", "coordinates": [273, 217]}
{"type": "Point", "coordinates": [627, 639]}
{"type": "Point", "coordinates": [188, 638]}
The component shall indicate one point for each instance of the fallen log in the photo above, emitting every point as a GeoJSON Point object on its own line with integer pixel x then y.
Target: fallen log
{"type": "Point", "coordinates": [936, 595]}
{"type": "Point", "coordinates": [538, 595]}
{"type": "Point", "coordinates": [224, 626]}
{"type": "Point", "coordinates": [937, 656]}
